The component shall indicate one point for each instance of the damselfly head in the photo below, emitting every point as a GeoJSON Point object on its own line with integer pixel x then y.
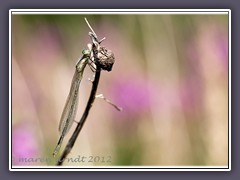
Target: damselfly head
{"type": "Point", "coordinates": [86, 52]}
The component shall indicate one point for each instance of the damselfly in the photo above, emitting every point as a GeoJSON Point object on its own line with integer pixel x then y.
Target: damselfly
{"type": "Point", "coordinates": [96, 55]}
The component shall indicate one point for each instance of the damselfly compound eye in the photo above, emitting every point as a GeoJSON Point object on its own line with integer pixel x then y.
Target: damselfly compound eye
{"type": "Point", "coordinates": [86, 52]}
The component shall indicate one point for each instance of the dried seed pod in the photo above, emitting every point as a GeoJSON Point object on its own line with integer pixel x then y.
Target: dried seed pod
{"type": "Point", "coordinates": [105, 58]}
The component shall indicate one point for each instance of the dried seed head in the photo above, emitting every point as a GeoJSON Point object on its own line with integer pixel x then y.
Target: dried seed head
{"type": "Point", "coordinates": [105, 58]}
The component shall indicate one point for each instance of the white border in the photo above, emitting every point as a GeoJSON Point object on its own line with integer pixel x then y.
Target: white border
{"type": "Point", "coordinates": [118, 11]}
{"type": "Point", "coordinates": [10, 90]}
{"type": "Point", "coordinates": [229, 89]}
{"type": "Point", "coordinates": [121, 168]}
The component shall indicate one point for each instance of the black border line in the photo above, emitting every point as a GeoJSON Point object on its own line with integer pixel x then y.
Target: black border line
{"type": "Point", "coordinates": [129, 168]}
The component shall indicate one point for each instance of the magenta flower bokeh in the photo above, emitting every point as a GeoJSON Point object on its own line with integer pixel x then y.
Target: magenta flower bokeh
{"type": "Point", "coordinates": [133, 95]}
{"type": "Point", "coordinates": [24, 144]}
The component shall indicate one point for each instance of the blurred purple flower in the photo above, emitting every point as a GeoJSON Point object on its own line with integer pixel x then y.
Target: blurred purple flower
{"type": "Point", "coordinates": [24, 144]}
{"type": "Point", "coordinates": [212, 46]}
{"type": "Point", "coordinates": [221, 45]}
{"type": "Point", "coordinates": [190, 93]}
{"type": "Point", "coordinates": [132, 95]}
{"type": "Point", "coordinates": [190, 87]}
{"type": "Point", "coordinates": [208, 49]}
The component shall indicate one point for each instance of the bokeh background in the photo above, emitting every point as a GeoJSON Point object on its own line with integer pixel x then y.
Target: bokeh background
{"type": "Point", "coordinates": [170, 77]}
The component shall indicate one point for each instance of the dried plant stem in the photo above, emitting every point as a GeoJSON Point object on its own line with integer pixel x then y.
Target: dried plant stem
{"type": "Point", "coordinates": [75, 134]}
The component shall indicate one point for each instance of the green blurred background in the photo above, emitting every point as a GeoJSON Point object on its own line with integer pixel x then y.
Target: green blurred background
{"type": "Point", "coordinates": [170, 77]}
